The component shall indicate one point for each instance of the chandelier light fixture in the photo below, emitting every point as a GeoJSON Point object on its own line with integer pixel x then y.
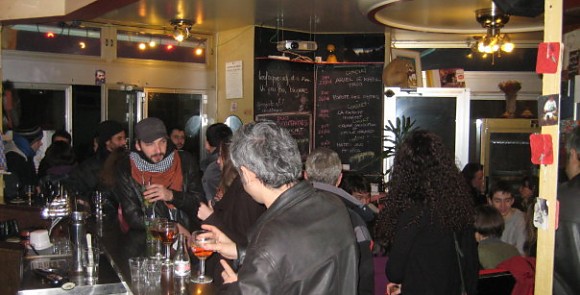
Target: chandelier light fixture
{"type": "Point", "coordinates": [181, 29]}
{"type": "Point", "coordinates": [493, 42]}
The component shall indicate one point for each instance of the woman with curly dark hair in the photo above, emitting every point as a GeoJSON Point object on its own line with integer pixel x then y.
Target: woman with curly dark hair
{"type": "Point", "coordinates": [428, 209]}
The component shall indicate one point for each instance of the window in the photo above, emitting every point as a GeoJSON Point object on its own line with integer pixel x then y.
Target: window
{"type": "Point", "coordinates": [62, 39]}
{"type": "Point", "coordinates": [160, 47]}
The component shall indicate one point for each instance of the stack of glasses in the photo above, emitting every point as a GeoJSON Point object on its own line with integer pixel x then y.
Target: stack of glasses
{"type": "Point", "coordinates": [145, 273]}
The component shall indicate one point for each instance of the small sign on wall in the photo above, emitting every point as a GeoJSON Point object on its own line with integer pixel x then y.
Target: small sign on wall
{"type": "Point", "coordinates": [234, 80]}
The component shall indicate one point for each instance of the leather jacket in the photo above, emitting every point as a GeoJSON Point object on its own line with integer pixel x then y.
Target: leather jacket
{"type": "Point", "coordinates": [567, 256]}
{"type": "Point", "coordinates": [128, 192]}
{"type": "Point", "coordinates": [303, 244]}
{"type": "Point", "coordinates": [358, 212]}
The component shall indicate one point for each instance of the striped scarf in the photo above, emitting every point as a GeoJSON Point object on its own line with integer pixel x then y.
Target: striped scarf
{"type": "Point", "coordinates": [167, 171]}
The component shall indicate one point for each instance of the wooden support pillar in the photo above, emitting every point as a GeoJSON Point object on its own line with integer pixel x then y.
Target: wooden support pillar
{"type": "Point", "coordinates": [549, 174]}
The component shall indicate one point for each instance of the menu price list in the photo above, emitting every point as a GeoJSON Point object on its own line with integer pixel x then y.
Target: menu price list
{"type": "Point", "coordinates": [349, 114]}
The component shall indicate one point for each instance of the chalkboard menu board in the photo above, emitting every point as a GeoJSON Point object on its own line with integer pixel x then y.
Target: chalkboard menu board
{"type": "Point", "coordinates": [299, 125]}
{"type": "Point", "coordinates": [283, 86]}
{"type": "Point", "coordinates": [349, 113]}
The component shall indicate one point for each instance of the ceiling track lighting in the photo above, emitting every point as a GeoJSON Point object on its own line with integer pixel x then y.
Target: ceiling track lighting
{"type": "Point", "coordinates": [181, 29]}
{"type": "Point", "coordinates": [493, 42]}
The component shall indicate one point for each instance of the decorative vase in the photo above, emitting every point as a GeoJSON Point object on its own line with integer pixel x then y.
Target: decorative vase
{"type": "Point", "coordinates": [510, 89]}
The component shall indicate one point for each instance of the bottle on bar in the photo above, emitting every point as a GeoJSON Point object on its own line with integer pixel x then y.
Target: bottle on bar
{"type": "Point", "coordinates": [181, 263]}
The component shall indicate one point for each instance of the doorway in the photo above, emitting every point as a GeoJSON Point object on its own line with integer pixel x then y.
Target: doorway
{"type": "Point", "coordinates": [178, 109]}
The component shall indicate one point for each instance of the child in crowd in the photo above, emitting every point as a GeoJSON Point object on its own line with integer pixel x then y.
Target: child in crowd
{"type": "Point", "coordinates": [515, 221]}
{"type": "Point", "coordinates": [489, 226]}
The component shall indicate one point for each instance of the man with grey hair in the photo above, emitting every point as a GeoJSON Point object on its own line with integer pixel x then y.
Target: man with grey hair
{"type": "Point", "coordinates": [303, 243]}
{"type": "Point", "coordinates": [566, 256]}
{"type": "Point", "coordinates": [324, 170]}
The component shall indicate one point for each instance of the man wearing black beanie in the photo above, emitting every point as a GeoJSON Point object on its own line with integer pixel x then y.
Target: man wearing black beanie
{"type": "Point", "coordinates": [85, 178]}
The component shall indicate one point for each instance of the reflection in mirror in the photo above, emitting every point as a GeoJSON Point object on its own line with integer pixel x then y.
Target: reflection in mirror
{"type": "Point", "coordinates": [193, 126]}
{"type": "Point", "coordinates": [234, 122]}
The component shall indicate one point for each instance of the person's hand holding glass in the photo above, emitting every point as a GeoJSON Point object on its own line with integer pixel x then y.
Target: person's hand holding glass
{"type": "Point", "coordinates": [154, 192]}
{"type": "Point", "coordinates": [226, 248]}
{"type": "Point", "coordinates": [200, 240]}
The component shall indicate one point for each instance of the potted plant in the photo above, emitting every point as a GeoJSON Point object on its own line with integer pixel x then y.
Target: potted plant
{"type": "Point", "coordinates": [395, 135]}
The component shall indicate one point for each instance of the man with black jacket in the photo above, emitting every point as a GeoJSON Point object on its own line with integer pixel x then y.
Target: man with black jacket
{"type": "Point", "coordinates": [303, 243]}
{"type": "Point", "coordinates": [157, 173]}
{"type": "Point", "coordinates": [86, 177]}
{"type": "Point", "coordinates": [566, 256]}
{"type": "Point", "coordinates": [323, 169]}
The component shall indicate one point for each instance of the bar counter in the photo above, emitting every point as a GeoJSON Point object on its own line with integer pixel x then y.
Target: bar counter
{"type": "Point", "coordinates": [117, 247]}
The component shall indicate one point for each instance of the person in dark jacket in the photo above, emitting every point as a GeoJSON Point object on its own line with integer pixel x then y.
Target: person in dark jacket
{"type": "Point", "coordinates": [86, 178]}
{"type": "Point", "coordinates": [59, 160]}
{"type": "Point", "coordinates": [323, 169]}
{"type": "Point", "coordinates": [159, 174]}
{"type": "Point", "coordinates": [304, 242]}
{"type": "Point", "coordinates": [215, 135]}
{"type": "Point", "coordinates": [234, 212]}
{"type": "Point", "coordinates": [59, 153]}
{"type": "Point", "coordinates": [20, 154]}
{"type": "Point", "coordinates": [567, 256]}
{"type": "Point", "coordinates": [427, 213]}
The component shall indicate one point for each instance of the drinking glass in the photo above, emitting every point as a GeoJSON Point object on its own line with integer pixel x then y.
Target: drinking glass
{"type": "Point", "coordinates": [153, 268]}
{"type": "Point", "coordinates": [149, 208]}
{"type": "Point", "coordinates": [200, 238]}
{"type": "Point", "coordinates": [168, 232]}
{"type": "Point", "coordinates": [18, 199]}
{"type": "Point", "coordinates": [155, 232]}
{"type": "Point", "coordinates": [137, 268]}
{"type": "Point", "coordinates": [29, 192]}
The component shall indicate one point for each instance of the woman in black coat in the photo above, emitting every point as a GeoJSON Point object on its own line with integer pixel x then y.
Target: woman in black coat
{"type": "Point", "coordinates": [427, 212]}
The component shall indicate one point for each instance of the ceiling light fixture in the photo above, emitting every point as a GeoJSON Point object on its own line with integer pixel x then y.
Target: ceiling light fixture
{"type": "Point", "coordinates": [493, 42]}
{"type": "Point", "coordinates": [181, 29]}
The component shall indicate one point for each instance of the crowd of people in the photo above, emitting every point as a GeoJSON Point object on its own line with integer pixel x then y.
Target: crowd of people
{"type": "Point", "coordinates": [287, 227]}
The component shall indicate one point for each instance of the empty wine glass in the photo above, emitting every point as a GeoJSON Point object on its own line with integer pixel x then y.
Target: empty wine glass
{"type": "Point", "coordinates": [200, 238]}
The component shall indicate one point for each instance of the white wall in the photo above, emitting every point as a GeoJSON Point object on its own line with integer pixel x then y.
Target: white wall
{"type": "Point", "coordinates": [484, 85]}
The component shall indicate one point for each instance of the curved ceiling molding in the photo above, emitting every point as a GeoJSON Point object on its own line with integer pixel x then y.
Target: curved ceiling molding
{"type": "Point", "coordinates": [441, 16]}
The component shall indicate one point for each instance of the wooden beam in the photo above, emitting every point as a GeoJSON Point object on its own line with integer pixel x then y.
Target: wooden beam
{"type": "Point", "coordinates": [549, 173]}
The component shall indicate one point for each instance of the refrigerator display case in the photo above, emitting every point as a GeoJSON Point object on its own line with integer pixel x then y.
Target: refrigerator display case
{"type": "Point", "coordinates": [505, 150]}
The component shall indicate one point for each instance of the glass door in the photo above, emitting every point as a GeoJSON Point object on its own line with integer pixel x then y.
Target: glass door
{"type": "Point", "coordinates": [86, 115]}
{"type": "Point", "coordinates": [178, 109]}
{"type": "Point", "coordinates": [125, 106]}
{"type": "Point", "coordinates": [44, 105]}
{"type": "Point", "coordinates": [505, 150]}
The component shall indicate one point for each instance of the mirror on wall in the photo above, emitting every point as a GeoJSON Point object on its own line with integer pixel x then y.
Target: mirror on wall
{"type": "Point", "coordinates": [234, 122]}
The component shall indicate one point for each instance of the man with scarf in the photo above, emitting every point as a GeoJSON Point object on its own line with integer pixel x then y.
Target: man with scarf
{"type": "Point", "coordinates": [156, 173]}
{"type": "Point", "coordinates": [20, 154]}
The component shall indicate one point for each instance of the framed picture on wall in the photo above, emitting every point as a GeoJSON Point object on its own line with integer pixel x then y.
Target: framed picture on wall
{"type": "Point", "coordinates": [413, 59]}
